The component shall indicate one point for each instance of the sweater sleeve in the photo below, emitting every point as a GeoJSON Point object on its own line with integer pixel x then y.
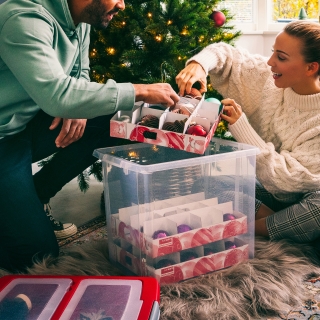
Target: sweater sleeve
{"type": "Point", "coordinates": [235, 73]}
{"type": "Point", "coordinates": [293, 171]}
{"type": "Point", "coordinates": [26, 47]}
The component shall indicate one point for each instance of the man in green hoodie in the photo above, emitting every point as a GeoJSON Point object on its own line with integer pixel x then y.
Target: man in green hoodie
{"type": "Point", "coordinates": [48, 105]}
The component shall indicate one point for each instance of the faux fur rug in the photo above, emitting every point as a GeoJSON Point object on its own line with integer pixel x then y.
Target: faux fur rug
{"type": "Point", "coordinates": [270, 285]}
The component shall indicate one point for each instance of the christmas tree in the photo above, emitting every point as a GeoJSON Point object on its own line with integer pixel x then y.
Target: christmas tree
{"type": "Point", "coordinates": [150, 41]}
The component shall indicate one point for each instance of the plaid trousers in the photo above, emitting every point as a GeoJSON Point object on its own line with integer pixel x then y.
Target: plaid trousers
{"type": "Point", "coordinates": [298, 220]}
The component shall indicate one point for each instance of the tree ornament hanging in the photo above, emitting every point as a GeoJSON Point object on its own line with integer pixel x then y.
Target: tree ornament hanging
{"type": "Point", "coordinates": [218, 18]}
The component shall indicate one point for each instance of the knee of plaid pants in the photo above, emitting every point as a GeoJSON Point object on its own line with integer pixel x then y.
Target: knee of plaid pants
{"type": "Point", "coordinates": [299, 222]}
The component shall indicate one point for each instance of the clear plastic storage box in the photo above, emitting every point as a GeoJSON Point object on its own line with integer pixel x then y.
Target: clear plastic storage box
{"type": "Point", "coordinates": [174, 215]}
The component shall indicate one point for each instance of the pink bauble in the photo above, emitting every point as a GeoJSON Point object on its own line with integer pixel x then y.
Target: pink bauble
{"type": "Point", "coordinates": [218, 17]}
{"type": "Point", "coordinates": [228, 216]}
{"type": "Point", "coordinates": [230, 245]}
{"type": "Point", "coordinates": [160, 234]}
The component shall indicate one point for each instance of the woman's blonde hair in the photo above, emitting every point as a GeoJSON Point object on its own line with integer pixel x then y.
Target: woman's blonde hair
{"type": "Point", "coordinates": [309, 33]}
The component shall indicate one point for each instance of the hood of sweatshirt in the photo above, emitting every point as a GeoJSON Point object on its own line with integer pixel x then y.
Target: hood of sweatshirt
{"type": "Point", "coordinates": [59, 9]}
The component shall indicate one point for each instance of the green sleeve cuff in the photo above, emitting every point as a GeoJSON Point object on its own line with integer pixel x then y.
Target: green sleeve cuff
{"type": "Point", "coordinates": [126, 97]}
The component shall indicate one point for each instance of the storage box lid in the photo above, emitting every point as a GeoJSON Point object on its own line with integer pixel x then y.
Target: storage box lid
{"type": "Point", "coordinates": [109, 299]}
{"type": "Point", "coordinates": [45, 294]}
{"type": "Point", "coordinates": [147, 158]}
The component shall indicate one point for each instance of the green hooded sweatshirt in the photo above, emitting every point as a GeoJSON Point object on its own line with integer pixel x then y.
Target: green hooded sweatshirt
{"type": "Point", "coordinates": [44, 64]}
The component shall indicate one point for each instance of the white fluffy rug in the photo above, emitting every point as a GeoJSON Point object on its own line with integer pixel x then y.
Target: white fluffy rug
{"type": "Point", "coordinates": [268, 285]}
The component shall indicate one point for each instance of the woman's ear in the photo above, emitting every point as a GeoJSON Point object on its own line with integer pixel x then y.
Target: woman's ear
{"type": "Point", "coordinates": [313, 68]}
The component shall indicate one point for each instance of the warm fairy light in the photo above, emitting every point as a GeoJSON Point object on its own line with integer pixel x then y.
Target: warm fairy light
{"type": "Point", "coordinates": [169, 22]}
{"type": "Point", "coordinates": [126, 64]}
{"type": "Point", "coordinates": [159, 38]}
{"type": "Point", "coordinates": [133, 154]}
{"type": "Point", "coordinates": [184, 32]}
{"type": "Point", "coordinates": [179, 58]}
{"type": "Point", "coordinates": [111, 50]}
{"type": "Point", "coordinates": [149, 15]}
{"type": "Point", "coordinates": [93, 53]}
{"type": "Point", "coordinates": [123, 23]}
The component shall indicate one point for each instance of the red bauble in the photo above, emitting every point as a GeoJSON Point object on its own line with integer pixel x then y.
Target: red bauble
{"type": "Point", "coordinates": [197, 130]}
{"type": "Point", "coordinates": [218, 17]}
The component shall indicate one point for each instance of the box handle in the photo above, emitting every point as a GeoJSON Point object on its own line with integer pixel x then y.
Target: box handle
{"type": "Point", "coordinates": [150, 135]}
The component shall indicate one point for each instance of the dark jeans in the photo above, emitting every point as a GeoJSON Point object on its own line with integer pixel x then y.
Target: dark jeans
{"type": "Point", "coordinates": [25, 231]}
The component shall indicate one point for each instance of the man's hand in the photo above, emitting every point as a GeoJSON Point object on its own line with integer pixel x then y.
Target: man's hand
{"type": "Point", "coordinates": [71, 131]}
{"type": "Point", "coordinates": [231, 111]}
{"type": "Point", "coordinates": [188, 76]}
{"type": "Point", "coordinates": [157, 93]}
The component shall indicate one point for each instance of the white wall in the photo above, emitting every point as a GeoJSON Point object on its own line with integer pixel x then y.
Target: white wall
{"type": "Point", "coordinates": [260, 43]}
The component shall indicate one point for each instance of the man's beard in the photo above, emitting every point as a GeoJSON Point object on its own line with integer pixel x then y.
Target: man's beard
{"type": "Point", "coordinates": [95, 14]}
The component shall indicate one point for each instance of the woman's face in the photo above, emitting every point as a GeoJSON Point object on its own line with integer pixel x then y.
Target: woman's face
{"type": "Point", "coordinates": [287, 63]}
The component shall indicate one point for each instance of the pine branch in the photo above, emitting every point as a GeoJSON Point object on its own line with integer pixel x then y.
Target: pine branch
{"type": "Point", "coordinates": [45, 161]}
{"type": "Point", "coordinates": [83, 181]}
{"type": "Point", "coordinates": [96, 170]}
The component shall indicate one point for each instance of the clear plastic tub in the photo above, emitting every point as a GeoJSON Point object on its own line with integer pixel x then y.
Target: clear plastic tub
{"type": "Point", "coordinates": [174, 215]}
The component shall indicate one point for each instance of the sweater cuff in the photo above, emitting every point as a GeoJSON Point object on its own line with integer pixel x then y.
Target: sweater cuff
{"type": "Point", "coordinates": [242, 131]}
{"type": "Point", "coordinates": [206, 59]}
{"type": "Point", "coordinates": [126, 96]}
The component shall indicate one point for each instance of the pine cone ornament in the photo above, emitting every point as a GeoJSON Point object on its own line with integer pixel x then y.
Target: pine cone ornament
{"type": "Point", "coordinates": [176, 126]}
{"type": "Point", "coordinates": [179, 124]}
{"type": "Point", "coordinates": [149, 120]}
{"type": "Point", "coordinates": [169, 126]}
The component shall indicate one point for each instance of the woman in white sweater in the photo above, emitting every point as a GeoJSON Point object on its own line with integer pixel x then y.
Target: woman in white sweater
{"type": "Point", "coordinates": [273, 104]}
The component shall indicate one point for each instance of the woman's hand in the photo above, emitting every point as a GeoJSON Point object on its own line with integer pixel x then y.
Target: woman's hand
{"type": "Point", "coordinates": [71, 131]}
{"type": "Point", "coordinates": [191, 74]}
{"type": "Point", "coordinates": [231, 111]}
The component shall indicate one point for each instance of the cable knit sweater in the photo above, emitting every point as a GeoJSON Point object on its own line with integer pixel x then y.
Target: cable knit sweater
{"type": "Point", "coordinates": [285, 126]}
